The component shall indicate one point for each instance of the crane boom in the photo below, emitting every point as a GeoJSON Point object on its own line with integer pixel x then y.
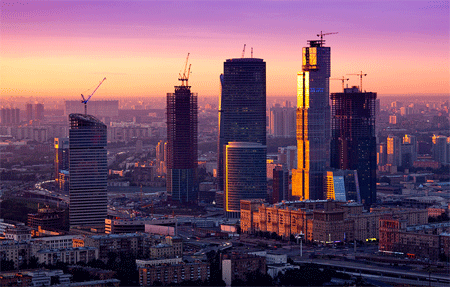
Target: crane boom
{"type": "Point", "coordinates": [324, 34]}
{"type": "Point", "coordinates": [360, 74]}
{"type": "Point", "coordinates": [243, 51]}
{"type": "Point", "coordinates": [343, 79]}
{"type": "Point", "coordinates": [85, 101]}
{"type": "Point", "coordinates": [185, 77]}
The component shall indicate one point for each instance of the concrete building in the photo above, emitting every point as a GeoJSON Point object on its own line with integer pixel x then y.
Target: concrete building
{"type": "Point", "coordinates": [353, 139]}
{"type": "Point", "coordinates": [182, 134]}
{"type": "Point", "coordinates": [172, 272]}
{"type": "Point", "coordinates": [282, 120]}
{"type": "Point", "coordinates": [70, 255]}
{"type": "Point", "coordinates": [313, 122]}
{"type": "Point", "coordinates": [237, 265]}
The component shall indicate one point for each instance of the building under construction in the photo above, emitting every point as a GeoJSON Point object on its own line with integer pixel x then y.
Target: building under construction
{"type": "Point", "coordinates": [353, 143]}
{"type": "Point", "coordinates": [182, 143]}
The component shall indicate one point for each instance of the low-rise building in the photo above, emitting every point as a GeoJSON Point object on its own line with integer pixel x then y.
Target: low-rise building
{"type": "Point", "coordinates": [67, 255]}
{"type": "Point", "coordinates": [238, 265]}
{"type": "Point", "coordinates": [16, 251]}
{"type": "Point", "coordinates": [425, 241]}
{"type": "Point", "coordinates": [173, 273]}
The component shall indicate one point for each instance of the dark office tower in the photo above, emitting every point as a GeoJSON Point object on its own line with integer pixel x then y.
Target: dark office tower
{"type": "Point", "coordinates": [280, 184]}
{"type": "Point", "coordinates": [88, 171]}
{"type": "Point", "coordinates": [182, 159]}
{"type": "Point", "coordinates": [313, 122]}
{"type": "Point", "coordinates": [39, 114]}
{"type": "Point", "coordinates": [353, 143]}
{"type": "Point", "coordinates": [30, 114]}
{"type": "Point", "coordinates": [242, 107]}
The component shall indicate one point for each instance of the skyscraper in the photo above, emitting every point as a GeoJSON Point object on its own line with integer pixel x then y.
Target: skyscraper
{"type": "Point", "coordinates": [88, 171]}
{"type": "Point", "coordinates": [242, 107]}
{"type": "Point", "coordinates": [245, 174]}
{"type": "Point", "coordinates": [182, 152]}
{"type": "Point", "coordinates": [313, 122]}
{"type": "Point", "coordinates": [353, 141]}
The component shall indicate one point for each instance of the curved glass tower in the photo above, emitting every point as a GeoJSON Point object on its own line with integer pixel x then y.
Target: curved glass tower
{"type": "Point", "coordinates": [245, 174]}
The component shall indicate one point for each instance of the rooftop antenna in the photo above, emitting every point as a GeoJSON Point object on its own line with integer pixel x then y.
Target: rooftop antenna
{"type": "Point", "coordinates": [252, 52]}
{"type": "Point", "coordinates": [243, 51]}
{"type": "Point", "coordinates": [84, 100]}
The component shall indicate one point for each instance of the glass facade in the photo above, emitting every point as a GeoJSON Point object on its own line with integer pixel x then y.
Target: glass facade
{"type": "Point", "coordinates": [182, 145]}
{"type": "Point", "coordinates": [313, 122]}
{"type": "Point", "coordinates": [245, 173]}
{"type": "Point", "coordinates": [88, 171]}
{"type": "Point", "coordinates": [242, 107]}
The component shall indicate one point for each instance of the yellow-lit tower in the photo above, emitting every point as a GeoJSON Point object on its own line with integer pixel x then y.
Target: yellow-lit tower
{"type": "Point", "coordinates": [313, 122]}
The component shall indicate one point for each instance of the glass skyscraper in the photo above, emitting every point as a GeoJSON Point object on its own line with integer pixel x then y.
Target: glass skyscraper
{"type": "Point", "coordinates": [353, 141]}
{"type": "Point", "coordinates": [313, 122]}
{"type": "Point", "coordinates": [88, 171]}
{"type": "Point", "coordinates": [242, 107]}
{"type": "Point", "coordinates": [182, 140]}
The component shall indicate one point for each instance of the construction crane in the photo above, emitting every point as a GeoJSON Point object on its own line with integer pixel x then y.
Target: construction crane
{"type": "Point", "coordinates": [243, 51]}
{"type": "Point", "coordinates": [324, 34]}
{"type": "Point", "coordinates": [343, 79]}
{"type": "Point", "coordinates": [360, 74]}
{"type": "Point", "coordinates": [84, 100]}
{"type": "Point", "coordinates": [185, 77]}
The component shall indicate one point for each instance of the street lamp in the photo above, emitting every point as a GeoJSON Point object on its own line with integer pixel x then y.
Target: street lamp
{"type": "Point", "coordinates": [300, 236]}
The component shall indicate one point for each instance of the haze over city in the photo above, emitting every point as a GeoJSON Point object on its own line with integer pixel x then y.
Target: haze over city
{"type": "Point", "coordinates": [62, 48]}
{"type": "Point", "coordinates": [224, 143]}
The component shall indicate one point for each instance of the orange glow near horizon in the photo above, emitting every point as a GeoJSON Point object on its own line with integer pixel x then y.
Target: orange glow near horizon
{"type": "Point", "coordinates": [60, 49]}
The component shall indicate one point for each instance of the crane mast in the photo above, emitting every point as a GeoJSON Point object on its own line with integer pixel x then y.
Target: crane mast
{"type": "Point", "coordinates": [343, 79]}
{"type": "Point", "coordinates": [185, 77]}
{"type": "Point", "coordinates": [85, 101]}
{"type": "Point", "coordinates": [361, 75]}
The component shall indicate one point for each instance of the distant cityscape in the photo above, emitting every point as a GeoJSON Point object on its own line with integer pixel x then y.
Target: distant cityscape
{"type": "Point", "coordinates": [351, 186]}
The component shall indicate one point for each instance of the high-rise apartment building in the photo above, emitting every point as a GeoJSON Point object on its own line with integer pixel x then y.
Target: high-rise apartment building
{"type": "Point", "coordinates": [9, 116]}
{"type": "Point", "coordinates": [280, 185]}
{"type": "Point", "coordinates": [39, 111]}
{"type": "Point", "coordinates": [181, 178]}
{"type": "Point", "coordinates": [394, 150]}
{"type": "Point", "coordinates": [313, 122]}
{"type": "Point", "coordinates": [282, 120]}
{"type": "Point", "coordinates": [353, 140]}
{"type": "Point", "coordinates": [88, 171]}
{"type": "Point", "coordinates": [242, 108]}
{"type": "Point", "coordinates": [409, 150]}
{"type": "Point", "coordinates": [440, 148]}
{"type": "Point", "coordinates": [245, 174]}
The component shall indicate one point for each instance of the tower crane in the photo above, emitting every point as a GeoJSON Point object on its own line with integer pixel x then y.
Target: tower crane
{"type": "Point", "coordinates": [84, 100]}
{"type": "Point", "coordinates": [324, 34]}
{"type": "Point", "coordinates": [360, 74]}
{"type": "Point", "coordinates": [243, 51]}
{"type": "Point", "coordinates": [343, 79]}
{"type": "Point", "coordinates": [185, 77]}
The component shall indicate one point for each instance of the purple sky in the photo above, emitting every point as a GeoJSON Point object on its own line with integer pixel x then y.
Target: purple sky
{"type": "Point", "coordinates": [59, 48]}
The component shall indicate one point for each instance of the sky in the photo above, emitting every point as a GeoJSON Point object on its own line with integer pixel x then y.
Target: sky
{"type": "Point", "coordinates": [64, 48]}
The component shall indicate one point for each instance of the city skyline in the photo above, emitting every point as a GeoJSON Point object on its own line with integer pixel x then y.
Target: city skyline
{"type": "Point", "coordinates": [64, 48]}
